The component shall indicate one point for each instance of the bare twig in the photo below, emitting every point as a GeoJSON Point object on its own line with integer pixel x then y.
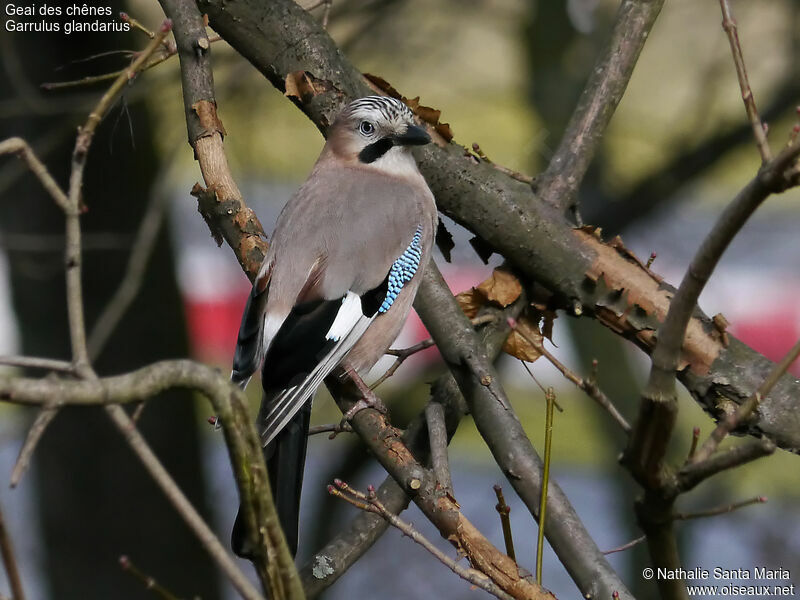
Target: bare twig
{"type": "Point", "coordinates": [166, 52]}
{"type": "Point", "coordinates": [627, 545]}
{"type": "Point", "coordinates": [507, 440]}
{"type": "Point", "coordinates": [10, 561]}
{"type": "Point", "coordinates": [720, 510]}
{"type": "Point", "coordinates": [33, 362]}
{"type": "Point", "coordinates": [729, 25]}
{"type": "Point", "coordinates": [23, 150]}
{"type": "Point", "coordinates": [691, 475]}
{"type": "Point", "coordinates": [589, 385]}
{"type": "Point", "coordinates": [550, 396]}
{"type": "Point", "coordinates": [43, 419]}
{"type": "Point", "coordinates": [181, 503]}
{"type": "Point", "coordinates": [369, 502]}
{"type": "Point", "coordinates": [149, 582]}
{"type": "Point", "coordinates": [437, 435]}
{"type": "Point", "coordinates": [404, 353]}
{"type": "Point", "coordinates": [743, 412]}
{"type": "Point", "coordinates": [333, 428]}
{"type": "Point", "coordinates": [504, 510]}
{"type": "Point", "coordinates": [401, 355]}
{"type": "Point", "coordinates": [136, 25]}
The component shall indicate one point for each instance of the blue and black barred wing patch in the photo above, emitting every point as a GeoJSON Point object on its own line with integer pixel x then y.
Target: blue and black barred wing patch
{"type": "Point", "coordinates": [403, 270]}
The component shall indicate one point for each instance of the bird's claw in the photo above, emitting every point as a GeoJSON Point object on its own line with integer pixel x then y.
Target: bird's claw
{"type": "Point", "coordinates": [367, 401]}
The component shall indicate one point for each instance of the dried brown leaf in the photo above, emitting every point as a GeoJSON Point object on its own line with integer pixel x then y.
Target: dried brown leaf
{"type": "Point", "coordinates": [444, 130]}
{"type": "Point", "coordinates": [519, 345]}
{"type": "Point", "coordinates": [412, 103]}
{"type": "Point", "coordinates": [471, 301]}
{"type": "Point", "coordinates": [379, 84]}
{"type": "Point", "coordinates": [502, 287]}
{"type": "Point", "coordinates": [428, 114]}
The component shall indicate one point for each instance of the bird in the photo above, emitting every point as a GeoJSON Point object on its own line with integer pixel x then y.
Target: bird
{"type": "Point", "coordinates": [336, 284]}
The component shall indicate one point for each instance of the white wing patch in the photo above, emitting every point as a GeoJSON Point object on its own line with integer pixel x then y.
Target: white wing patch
{"type": "Point", "coordinates": [346, 318]}
{"type": "Point", "coordinates": [347, 328]}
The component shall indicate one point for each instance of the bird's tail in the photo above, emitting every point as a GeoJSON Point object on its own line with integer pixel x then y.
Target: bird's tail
{"type": "Point", "coordinates": [285, 457]}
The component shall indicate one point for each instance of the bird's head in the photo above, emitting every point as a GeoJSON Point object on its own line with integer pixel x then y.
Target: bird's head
{"type": "Point", "coordinates": [375, 129]}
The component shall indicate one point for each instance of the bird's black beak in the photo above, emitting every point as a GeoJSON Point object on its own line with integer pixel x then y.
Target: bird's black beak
{"type": "Point", "coordinates": [414, 136]}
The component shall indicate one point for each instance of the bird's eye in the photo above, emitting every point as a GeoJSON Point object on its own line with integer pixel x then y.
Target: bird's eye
{"type": "Point", "coordinates": [366, 128]}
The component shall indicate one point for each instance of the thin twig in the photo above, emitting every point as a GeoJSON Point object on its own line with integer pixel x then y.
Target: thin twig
{"type": "Point", "coordinates": [404, 353]}
{"type": "Point", "coordinates": [369, 502]}
{"type": "Point", "coordinates": [627, 545]}
{"type": "Point", "coordinates": [185, 509]}
{"type": "Point", "coordinates": [437, 435]}
{"type": "Point", "coordinates": [589, 385]}
{"type": "Point", "coordinates": [136, 24]}
{"type": "Point", "coordinates": [504, 510]}
{"type": "Point", "coordinates": [149, 582]}
{"type": "Point", "coordinates": [401, 355]}
{"type": "Point", "coordinates": [10, 561]}
{"type": "Point", "coordinates": [43, 419]}
{"type": "Point", "coordinates": [720, 510]}
{"type": "Point", "coordinates": [34, 362]}
{"type": "Point", "coordinates": [691, 475]}
{"type": "Point", "coordinates": [743, 412]}
{"type": "Point", "coordinates": [729, 25]}
{"type": "Point", "coordinates": [550, 396]}
{"type": "Point", "coordinates": [335, 428]}
{"type": "Point", "coordinates": [23, 150]}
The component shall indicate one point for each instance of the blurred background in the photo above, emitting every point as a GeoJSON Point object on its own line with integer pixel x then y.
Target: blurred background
{"type": "Point", "coordinates": [505, 74]}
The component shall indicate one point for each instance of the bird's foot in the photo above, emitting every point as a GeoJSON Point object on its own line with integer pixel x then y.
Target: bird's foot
{"type": "Point", "coordinates": [368, 400]}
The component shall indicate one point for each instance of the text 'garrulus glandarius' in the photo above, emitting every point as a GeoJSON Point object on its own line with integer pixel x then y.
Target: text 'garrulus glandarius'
{"type": "Point", "coordinates": [337, 282]}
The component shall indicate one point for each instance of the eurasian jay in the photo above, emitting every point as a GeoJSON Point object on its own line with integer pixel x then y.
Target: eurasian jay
{"type": "Point", "coordinates": [337, 282]}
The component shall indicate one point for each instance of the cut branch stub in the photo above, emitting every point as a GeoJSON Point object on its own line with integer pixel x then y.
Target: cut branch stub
{"type": "Point", "coordinates": [235, 223]}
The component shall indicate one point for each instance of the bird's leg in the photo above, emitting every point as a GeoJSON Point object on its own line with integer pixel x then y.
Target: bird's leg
{"type": "Point", "coordinates": [368, 398]}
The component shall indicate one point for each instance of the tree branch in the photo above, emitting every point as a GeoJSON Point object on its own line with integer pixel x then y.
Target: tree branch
{"type": "Point", "coordinates": [507, 440]}
{"type": "Point", "coordinates": [369, 502]}
{"type": "Point", "coordinates": [10, 561]}
{"type": "Point", "coordinates": [729, 25]}
{"type": "Point", "coordinates": [339, 554]}
{"type": "Point", "coordinates": [558, 185]}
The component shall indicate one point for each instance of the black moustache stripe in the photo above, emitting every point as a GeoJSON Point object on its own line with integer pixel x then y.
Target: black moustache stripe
{"type": "Point", "coordinates": [375, 150]}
